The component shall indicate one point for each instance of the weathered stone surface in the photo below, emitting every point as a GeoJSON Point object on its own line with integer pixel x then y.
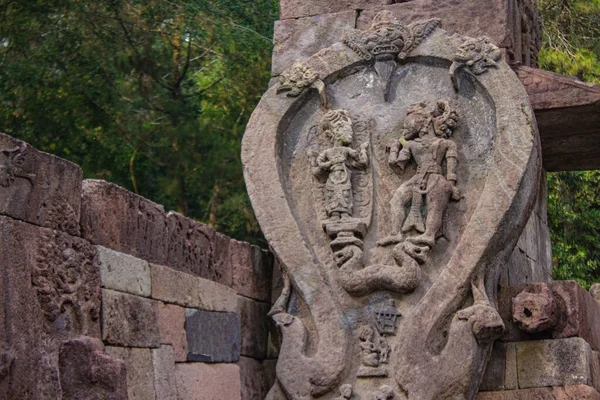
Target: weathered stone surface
{"type": "Point", "coordinates": [558, 362]}
{"type": "Point", "coordinates": [129, 320]}
{"type": "Point", "coordinates": [181, 288]}
{"type": "Point", "coordinates": [123, 221]}
{"type": "Point", "coordinates": [171, 324]}
{"type": "Point", "coordinates": [88, 372]}
{"type": "Point", "coordinates": [39, 188]}
{"type": "Point", "coordinates": [330, 217]}
{"type": "Point", "coordinates": [595, 292]}
{"type": "Point", "coordinates": [298, 39]}
{"type": "Point", "coordinates": [252, 378]}
{"type": "Point", "coordinates": [566, 111]}
{"type": "Point", "coordinates": [511, 380]}
{"type": "Point", "coordinates": [50, 283]}
{"type": "Point", "coordinates": [208, 381]}
{"type": "Point", "coordinates": [269, 367]}
{"type": "Point", "coordinates": [297, 9]}
{"type": "Point", "coordinates": [535, 310]}
{"type": "Point", "coordinates": [140, 371]}
{"type": "Point", "coordinates": [164, 373]}
{"type": "Point", "coordinates": [578, 313]}
{"type": "Point", "coordinates": [254, 327]}
{"type": "Point", "coordinates": [252, 270]}
{"type": "Point", "coordinates": [579, 392]}
{"type": "Point", "coordinates": [190, 245]}
{"type": "Point", "coordinates": [495, 371]}
{"type": "Point", "coordinates": [212, 337]}
{"type": "Point", "coordinates": [511, 26]}
{"type": "Point", "coordinates": [222, 270]}
{"type": "Point", "coordinates": [124, 273]}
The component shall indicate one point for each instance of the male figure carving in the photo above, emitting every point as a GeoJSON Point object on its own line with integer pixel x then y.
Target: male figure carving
{"type": "Point", "coordinates": [425, 138]}
{"type": "Point", "coordinates": [334, 164]}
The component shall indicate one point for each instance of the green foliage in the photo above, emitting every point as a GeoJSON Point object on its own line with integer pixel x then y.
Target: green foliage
{"type": "Point", "coordinates": [572, 47]}
{"type": "Point", "coordinates": [153, 95]}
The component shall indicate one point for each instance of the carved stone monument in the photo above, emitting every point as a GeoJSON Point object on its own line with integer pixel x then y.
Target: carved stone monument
{"type": "Point", "coordinates": [392, 174]}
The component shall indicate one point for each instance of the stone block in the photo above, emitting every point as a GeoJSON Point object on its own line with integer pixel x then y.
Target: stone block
{"type": "Point", "coordinates": [298, 39]}
{"type": "Point", "coordinates": [495, 370]}
{"type": "Point", "coordinates": [129, 320]}
{"type": "Point", "coordinates": [254, 327]}
{"type": "Point", "coordinates": [269, 366]}
{"type": "Point", "coordinates": [190, 245]}
{"type": "Point", "coordinates": [595, 292]}
{"type": "Point", "coordinates": [221, 270]}
{"type": "Point", "coordinates": [164, 373]}
{"type": "Point", "coordinates": [276, 282]}
{"type": "Point", "coordinates": [578, 313]}
{"type": "Point", "coordinates": [50, 283]}
{"type": "Point", "coordinates": [123, 221]}
{"type": "Point", "coordinates": [297, 9]}
{"type": "Point", "coordinates": [499, 20]}
{"type": "Point", "coordinates": [510, 373]}
{"type": "Point", "coordinates": [172, 286]}
{"type": "Point", "coordinates": [558, 362]}
{"type": "Point", "coordinates": [212, 337]}
{"type": "Point", "coordinates": [140, 371]}
{"type": "Point", "coordinates": [252, 379]}
{"type": "Point", "coordinates": [252, 270]}
{"type": "Point", "coordinates": [171, 324]}
{"type": "Point", "coordinates": [123, 272]}
{"type": "Point", "coordinates": [39, 188]}
{"type": "Point", "coordinates": [579, 392]}
{"type": "Point", "coordinates": [88, 372]}
{"type": "Point", "coordinates": [207, 381]}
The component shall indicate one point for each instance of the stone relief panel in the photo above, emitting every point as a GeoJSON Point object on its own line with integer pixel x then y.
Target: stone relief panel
{"type": "Point", "coordinates": [392, 215]}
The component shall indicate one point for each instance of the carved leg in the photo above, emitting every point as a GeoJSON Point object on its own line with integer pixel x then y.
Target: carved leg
{"type": "Point", "coordinates": [437, 201]}
{"type": "Point", "coordinates": [400, 200]}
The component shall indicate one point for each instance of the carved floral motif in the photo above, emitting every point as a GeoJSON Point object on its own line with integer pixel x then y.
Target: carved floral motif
{"type": "Point", "coordinates": [478, 55]}
{"type": "Point", "coordinates": [11, 166]}
{"type": "Point", "coordinates": [66, 278]}
{"type": "Point", "coordinates": [299, 77]}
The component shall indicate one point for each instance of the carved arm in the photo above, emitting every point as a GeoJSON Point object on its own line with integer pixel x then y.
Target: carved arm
{"type": "Point", "coordinates": [451, 164]}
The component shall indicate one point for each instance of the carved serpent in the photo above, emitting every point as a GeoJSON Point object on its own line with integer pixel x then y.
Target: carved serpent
{"type": "Point", "coordinates": [359, 281]}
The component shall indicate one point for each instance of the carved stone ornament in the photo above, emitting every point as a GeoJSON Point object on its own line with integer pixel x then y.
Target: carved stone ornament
{"type": "Point", "coordinates": [478, 55]}
{"type": "Point", "coordinates": [392, 218]}
{"type": "Point", "coordinates": [11, 163]}
{"type": "Point", "coordinates": [299, 77]}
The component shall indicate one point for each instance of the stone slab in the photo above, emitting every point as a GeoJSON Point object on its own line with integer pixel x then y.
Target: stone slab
{"type": "Point", "coordinates": [123, 221]}
{"type": "Point", "coordinates": [207, 381]}
{"type": "Point", "coordinates": [190, 245]}
{"type": "Point", "coordinates": [222, 270]}
{"type": "Point", "coordinates": [129, 320]}
{"type": "Point", "coordinates": [164, 373]}
{"type": "Point", "coordinates": [558, 362]}
{"type": "Point", "coordinates": [298, 9]}
{"type": "Point", "coordinates": [579, 314]}
{"type": "Point", "coordinates": [124, 273]}
{"type": "Point", "coordinates": [50, 283]}
{"type": "Point", "coordinates": [254, 327]}
{"type": "Point", "coordinates": [495, 370]}
{"type": "Point", "coordinates": [171, 324]}
{"type": "Point", "coordinates": [298, 39]}
{"type": "Point", "coordinates": [212, 337]}
{"type": "Point", "coordinates": [88, 372]}
{"type": "Point", "coordinates": [269, 366]}
{"type": "Point", "coordinates": [140, 371]}
{"type": "Point", "coordinates": [173, 286]}
{"type": "Point", "coordinates": [252, 270]}
{"type": "Point", "coordinates": [579, 392]}
{"type": "Point", "coordinates": [39, 188]}
{"type": "Point", "coordinates": [252, 378]}
{"type": "Point", "coordinates": [511, 380]}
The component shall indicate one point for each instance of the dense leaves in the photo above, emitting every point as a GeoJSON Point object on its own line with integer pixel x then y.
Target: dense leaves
{"type": "Point", "coordinates": [153, 95]}
{"type": "Point", "coordinates": [572, 47]}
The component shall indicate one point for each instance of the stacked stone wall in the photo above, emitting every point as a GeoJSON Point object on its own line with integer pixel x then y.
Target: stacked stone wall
{"type": "Point", "coordinates": [106, 295]}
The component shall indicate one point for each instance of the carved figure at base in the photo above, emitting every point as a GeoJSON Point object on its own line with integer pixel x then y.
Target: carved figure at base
{"type": "Point", "coordinates": [346, 392]}
{"type": "Point", "coordinates": [384, 392]}
{"type": "Point", "coordinates": [426, 140]}
{"type": "Point", "coordinates": [333, 164]}
{"type": "Point", "coordinates": [374, 351]}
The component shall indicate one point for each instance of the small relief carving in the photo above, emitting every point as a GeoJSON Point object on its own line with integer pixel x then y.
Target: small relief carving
{"type": "Point", "coordinates": [66, 278]}
{"type": "Point", "coordinates": [386, 314]}
{"type": "Point", "coordinates": [384, 392]}
{"type": "Point", "coordinates": [346, 392]}
{"type": "Point", "coordinates": [478, 55]}
{"type": "Point", "coordinates": [387, 41]}
{"type": "Point", "coordinates": [299, 77]}
{"type": "Point", "coordinates": [61, 216]}
{"type": "Point", "coordinates": [11, 166]}
{"type": "Point", "coordinates": [375, 351]}
{"type": "Point", "coordinates": [426, 140]}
